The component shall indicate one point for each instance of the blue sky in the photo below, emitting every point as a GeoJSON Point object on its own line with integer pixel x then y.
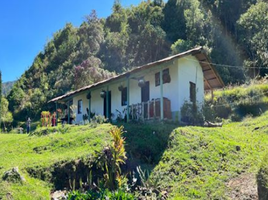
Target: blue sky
{"type": "Point", "coordinates": [26, 26]}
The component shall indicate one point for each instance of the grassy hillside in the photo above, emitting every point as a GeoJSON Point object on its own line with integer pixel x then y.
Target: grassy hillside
{"type": "Point", "coordinates": [186, 162]}
{"type": "Point", "coordinates": [199, 162]}
{"type": "Point", "coordinates": [237, 102]}
{"type": "Point", "coordinates": [34, 152]}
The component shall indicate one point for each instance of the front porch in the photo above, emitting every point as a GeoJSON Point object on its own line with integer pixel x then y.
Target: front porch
{"type": "Point", "coordinates": [150, 110]}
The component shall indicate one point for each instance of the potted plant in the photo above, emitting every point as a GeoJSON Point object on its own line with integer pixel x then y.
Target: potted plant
{"type": "Point", "coordinates": [141, 83]}
{"type": "Point", "coordinates": [102, 94]}
{"type": "Point", "coordinates": [89, 95]}
{"type": "Point", "coordinates": [120, 88]}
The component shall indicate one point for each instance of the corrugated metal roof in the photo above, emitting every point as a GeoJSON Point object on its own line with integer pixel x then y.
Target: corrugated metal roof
{"type": "Point", "coordinates": [211, 77]}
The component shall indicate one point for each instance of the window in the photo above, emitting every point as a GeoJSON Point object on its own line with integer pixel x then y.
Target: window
{"type": "Point", "coordinates": [192, 92]}
{"type": "Point", "coordinates": [79, 107]}
{"type": "Point", "coordinates": [124, 97]}
{"type": "Point", "coordinates": [166, 77]}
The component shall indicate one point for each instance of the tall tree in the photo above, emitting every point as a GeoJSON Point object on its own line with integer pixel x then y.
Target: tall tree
{"type": "Point", "coordinates": [174, 23]}
{"type": "Point", "coordinates": [5, 115]}
{"type": "Point", "coordinates": [254, 36]}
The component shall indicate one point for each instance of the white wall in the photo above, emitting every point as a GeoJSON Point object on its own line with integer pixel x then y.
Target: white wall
{"type": "Point", "coordinates": [182, 71]}
{"type": "Point", "coordinates": [170, 90]}
{"type": "Point", "coordinates": [97, 102]}
{"type": "Point", "coordinates": [190, 71]}
{"type": "Point", "coordinates": [79, 117]}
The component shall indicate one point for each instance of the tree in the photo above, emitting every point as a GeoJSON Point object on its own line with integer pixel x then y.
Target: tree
{"type": "Point", "coordinates": [148, 39]}
{"type": "Point", "coordinates": [254, 31]}
{"type": "Point", "coordinates": [90, 71]}
{"type": "Point", "coordinates": [5, 115]}
{"type": "Point", "coordinates": [174, 23]}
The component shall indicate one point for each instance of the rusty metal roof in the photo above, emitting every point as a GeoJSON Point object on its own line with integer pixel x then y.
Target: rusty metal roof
{"type": "Point", "coordinates": [211, 78]}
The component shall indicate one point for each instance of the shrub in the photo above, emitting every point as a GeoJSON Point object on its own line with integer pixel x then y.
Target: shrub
{"type": "Point", "coordinates": [50, 130]}
{"type": "Point", "coordinates": [99, 119]}
{"type": "Point", "coordinates": [100, 195]}
{"type": "Point", "coordinates": [191, 114]}
{"type": "Point", "coordinates": [111, 159]}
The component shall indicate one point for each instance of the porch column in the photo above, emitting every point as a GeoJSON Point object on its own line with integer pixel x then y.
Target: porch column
{"type": "Point", "coordinates": [128, 99]}
{"type": "Point", "coordinates": [161, 95]}
{"type": "Point", "coordinates": [107, 102]}
{"type": "Point", "coordinates": [89, 109]}
{"type": "Point", "coordinates": [69, 112]}
{"type": "Point", "coordinates": [56, 113]}
{"type": "Point", "coordinates": [212, 95]}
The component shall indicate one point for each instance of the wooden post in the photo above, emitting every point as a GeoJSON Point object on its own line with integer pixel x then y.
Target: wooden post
{"type": "Point", "coordinates": [57, 113]}
{"type": "Point", "coordinates": [69, 112]}
{"type": "Point", "coordinates": [148, 109]}
{"type": "Point", "coordinates": [89, 109]}
{"type": "Point", "coordinates": [212, 95]}
{"type": "Point", "coordinates": [161, 97]}
{"type": "Point", "coordinates": [132, 110]}
{"type": "Point", "coordinates": [107, 102]}
{"type": "Point", "coordinates": [142, 111]}
{"type": "Point", "coordinates": [128, 99]}
{"type": "Point", "coordinates": [154, 109]}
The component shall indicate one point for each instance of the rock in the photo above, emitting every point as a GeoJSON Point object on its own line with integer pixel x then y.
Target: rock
{"type": "Point", "coordinates": [210, 124]}
{"type": "Point", "coordinates": [59, 195]}
{"type": "Point", "coordinates": [9, 196]}
{"type": "Point", "coordinates": [13, 175]}
{"type": "Point", "coordinates": [238, 148]}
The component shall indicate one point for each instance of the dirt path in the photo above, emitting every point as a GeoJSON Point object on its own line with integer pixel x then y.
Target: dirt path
{"type": "Point", "coordinates": [243, 187]}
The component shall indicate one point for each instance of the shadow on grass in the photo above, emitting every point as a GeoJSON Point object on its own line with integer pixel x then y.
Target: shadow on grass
{"type": "Point", "coordinates": [146, 143]}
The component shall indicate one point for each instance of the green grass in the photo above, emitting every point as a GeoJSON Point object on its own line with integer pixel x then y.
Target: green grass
{"type": "Point", "coordinates": [188, 162]}
{"type": "Point", "coordinates": [42, 152]}
{"type": "Point", "coordinates": [236, 102]}
{"type": "Point", "coordinates": [242, 93]}
{"type": "Point", "coordinates": [198, 162]}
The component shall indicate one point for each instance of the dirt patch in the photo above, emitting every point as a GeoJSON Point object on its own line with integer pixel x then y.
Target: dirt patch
{"type": "Point", "coordinates": [243, 187]}
{"type": "Point", "coordinates": [68, 174]}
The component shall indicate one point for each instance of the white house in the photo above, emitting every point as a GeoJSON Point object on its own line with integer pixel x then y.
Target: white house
{"type": "Point", "coordinates": [142, 94]}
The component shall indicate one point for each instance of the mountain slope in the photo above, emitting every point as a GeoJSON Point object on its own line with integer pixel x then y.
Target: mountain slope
{"type": "Point", "coordinates": [129, 37]}
{"type": "Point", "coordinates": [6, 87]}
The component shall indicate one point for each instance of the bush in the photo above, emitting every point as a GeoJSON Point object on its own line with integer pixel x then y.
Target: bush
{"type": "Point", "coordinates": [50, 130]}
{"type": "Point", "coordinates": [112, 158]}
{"type": "Point", "coordinates": [236, 103]}
{"type": "Point", "coordinates": [191, 114]}
{"type": "Point", "coordinates": [99, 119]}
{"type": "Point", "coordinates": [102, 194]}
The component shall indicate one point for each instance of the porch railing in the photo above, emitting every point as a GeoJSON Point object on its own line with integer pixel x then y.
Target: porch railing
{"type": "Point", "coordinates": [150, 110]}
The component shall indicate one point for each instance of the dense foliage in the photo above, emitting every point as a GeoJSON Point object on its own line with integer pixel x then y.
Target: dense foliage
{"type": "Point", "coordinates": [234, 33]}
{"type": "Point", "coordinates": [6, 117]}
{"type": "Point", "coordinates": [101, 195]}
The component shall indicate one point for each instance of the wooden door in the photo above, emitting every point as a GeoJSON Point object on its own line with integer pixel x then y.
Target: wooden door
{"type": "Point", "coordinates": [145, 97]}
{"type": "Point", "coordinates": [109, 105]}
